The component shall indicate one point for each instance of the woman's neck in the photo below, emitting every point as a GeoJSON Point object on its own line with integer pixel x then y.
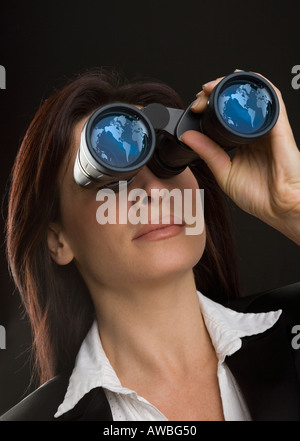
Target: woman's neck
{"type": "Point", "coordinates": [153, 329]}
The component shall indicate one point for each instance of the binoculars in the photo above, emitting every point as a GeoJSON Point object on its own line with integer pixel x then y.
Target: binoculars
{"type": "Point", "coordinates": [119, 139]}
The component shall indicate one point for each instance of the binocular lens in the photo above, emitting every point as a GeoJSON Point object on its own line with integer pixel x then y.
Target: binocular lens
{"type": "Point", "coordinates": [241, 109]}
{"type": "Point", "coordinates": [245, 107]}
{"type": "Point", "coordinates": [119, 139]}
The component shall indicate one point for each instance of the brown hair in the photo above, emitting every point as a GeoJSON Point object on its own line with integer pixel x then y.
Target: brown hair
{"type": "Point", "coordinates": [55, 297]}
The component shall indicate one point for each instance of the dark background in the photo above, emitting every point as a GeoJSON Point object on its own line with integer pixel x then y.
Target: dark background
{"type": "Point", "coordinates": [184, 44]}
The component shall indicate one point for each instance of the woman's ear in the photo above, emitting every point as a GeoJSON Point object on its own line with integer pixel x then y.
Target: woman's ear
{"type": "Point", "coordinates": [59, 248]}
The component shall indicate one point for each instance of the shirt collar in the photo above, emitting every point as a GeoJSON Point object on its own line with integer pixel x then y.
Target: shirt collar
{"type": "Point", "coordinates": [225, 326]}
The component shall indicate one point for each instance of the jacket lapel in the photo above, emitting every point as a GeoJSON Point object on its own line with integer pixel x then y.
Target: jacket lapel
{"type": "Point", "coordinates": [265, 370]}
{"type": "Point", "coordinates": [92, 407]}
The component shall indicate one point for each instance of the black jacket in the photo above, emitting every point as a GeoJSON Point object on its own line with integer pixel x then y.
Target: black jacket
{"type": "Point", "coordinates": [267, 369]}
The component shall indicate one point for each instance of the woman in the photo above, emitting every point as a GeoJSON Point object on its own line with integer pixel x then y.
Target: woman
{"type": "Point", "coordinates": [141, 312]}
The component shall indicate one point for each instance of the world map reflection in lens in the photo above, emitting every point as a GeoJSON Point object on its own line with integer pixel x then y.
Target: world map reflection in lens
{"type": "Point", "coordinates": [119, 139]}
{"type": "Point", "coordinates": [245, 107]}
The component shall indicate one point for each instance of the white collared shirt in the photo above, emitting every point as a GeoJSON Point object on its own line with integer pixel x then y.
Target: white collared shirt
{"type": "Point", "coordinates": [225, 327]}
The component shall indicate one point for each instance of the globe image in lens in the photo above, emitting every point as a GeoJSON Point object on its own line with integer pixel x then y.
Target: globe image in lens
{"type": "Point", "coordinates": [245, 107]}
{"type": "Point", "coordinates": [119, 140]}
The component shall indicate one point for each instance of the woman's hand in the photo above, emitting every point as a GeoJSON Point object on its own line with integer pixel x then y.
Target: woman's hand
{"type": "Point", "coordinates": [263, 178]}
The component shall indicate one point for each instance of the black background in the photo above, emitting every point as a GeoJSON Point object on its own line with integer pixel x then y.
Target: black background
{"type": "Point", "coordinates": [184, 44]}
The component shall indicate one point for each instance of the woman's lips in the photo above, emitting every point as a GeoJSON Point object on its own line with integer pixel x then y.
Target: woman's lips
{"type": "Point", "coordinates": [159, 231]}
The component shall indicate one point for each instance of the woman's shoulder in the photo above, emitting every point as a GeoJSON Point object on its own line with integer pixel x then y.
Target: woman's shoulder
{"type": "Point", "coordinates": [41, 404]}
{"type": "Point", "coordinates": [286, 298]}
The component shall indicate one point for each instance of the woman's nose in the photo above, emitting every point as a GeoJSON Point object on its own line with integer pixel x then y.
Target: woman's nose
{"type": "Point", "coordinates": [147, 181]}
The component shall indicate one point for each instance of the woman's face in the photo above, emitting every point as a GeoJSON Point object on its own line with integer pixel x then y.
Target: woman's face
{"type": "Point", "coordinates": [115, 255]}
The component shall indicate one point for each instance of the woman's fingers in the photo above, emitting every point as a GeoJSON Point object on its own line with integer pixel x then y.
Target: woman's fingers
{"type": "Point", "coordinates": [214, 156]}
{"type": "Point", "coordinates": [200, 103]}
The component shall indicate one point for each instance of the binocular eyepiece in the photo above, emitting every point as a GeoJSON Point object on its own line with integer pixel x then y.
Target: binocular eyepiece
{"type": "Point", "coordinates": [119, 139]}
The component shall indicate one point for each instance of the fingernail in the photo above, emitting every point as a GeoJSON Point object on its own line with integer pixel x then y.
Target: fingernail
{"type": "Point", "coordinates": [200, 93]}
{"type": "Point", "coordinates": [198, 101]}
{"type": "Point", "coordinates": [209, 83]}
